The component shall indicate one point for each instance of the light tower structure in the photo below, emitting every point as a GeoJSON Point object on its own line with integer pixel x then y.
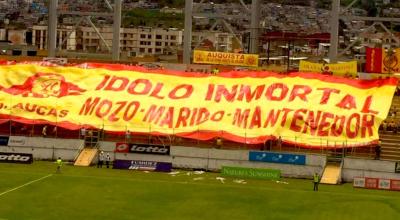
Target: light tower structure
{"type": "Point", "coordinates": [114, 11]}
{"type": "Point", "coordinates": [192, 11]}
{"type": "Point", "coordinates": [337, 13]}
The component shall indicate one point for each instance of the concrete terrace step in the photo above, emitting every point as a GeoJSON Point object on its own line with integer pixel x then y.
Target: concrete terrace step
{"type": "Point", "coordinates": [390, 145]}
{"type": "Point", "coordinates": [331, 174]}
{"type": "Point", "coordinates": [390, 157]}
{"type": "Point", "coordinates": [391, 139]}
{"type": "Point", "coordinates": [86, 157]}
{"type": "Point", "coordinates": [394, 153]}
{"type": "Point", "coordinates": [389, 134]}
{"type": "Point", "coordinates": [390, 151]}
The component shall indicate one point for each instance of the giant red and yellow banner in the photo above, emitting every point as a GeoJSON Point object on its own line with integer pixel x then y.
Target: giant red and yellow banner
{"type": "Point", "coordinates": [310, 110]}
{"type": "Point", "coordinates": [235, 59]}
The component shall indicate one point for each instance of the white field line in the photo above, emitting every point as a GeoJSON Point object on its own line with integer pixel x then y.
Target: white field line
{"type": "Point", "coordinates": [28, 183]}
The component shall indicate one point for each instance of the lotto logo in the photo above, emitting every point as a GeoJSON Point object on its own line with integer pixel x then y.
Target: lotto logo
{"type": "Point", "coordinates": [122, 147]}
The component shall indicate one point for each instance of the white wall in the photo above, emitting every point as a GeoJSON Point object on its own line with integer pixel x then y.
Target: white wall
{"type": "Point", "coordinates": [368, 168]}
{"type": "Point", "coordinates": [204, 158]}
{"type": "Point", "coordinates": [107, 146]}
{"type": "Point", "coordinates": [214, 159]}
{"type": "Point", "coordinates": [45, 148]}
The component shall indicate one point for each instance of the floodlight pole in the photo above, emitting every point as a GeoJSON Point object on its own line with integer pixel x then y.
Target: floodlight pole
{"type": "Point", "coordinates": [190, 12]}
{"type": "Point", "coordinates": [116, 30]}
{"type": "Point", "coordinates": [337, 13]}
{"type": "Point", "coordinates": [255, 24]}
{"type": "Point", "coordinates": [52, 30]}
{"type": "Point", "coordinates": [334, 23]}
{"type": "Point", "coordinates": [187, 43]}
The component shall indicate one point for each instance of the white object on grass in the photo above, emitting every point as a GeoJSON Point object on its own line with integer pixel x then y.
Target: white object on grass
{"type": "Point", "coordinates": [240, 181]}
{"type": "Point", "coordinates": [221, 179]}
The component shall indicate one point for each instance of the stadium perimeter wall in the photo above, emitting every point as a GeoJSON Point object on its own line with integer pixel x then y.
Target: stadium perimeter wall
{"type": "Point", "coordinates": [202, 158]}
{"type": "Point", "coordinates": [44, 148]}
{"type": "Point", "coordinates": [214, 159]}
{"type": "Point", "coordinates": [368, 168]}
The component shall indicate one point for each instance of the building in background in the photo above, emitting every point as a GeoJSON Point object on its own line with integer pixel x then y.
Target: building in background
{"type": "Point", "coordinates": [39, 37]}
{"type": "Point", "coordinates": [134, 41]}
{"type": "Point", "coordinates": [221, 41]}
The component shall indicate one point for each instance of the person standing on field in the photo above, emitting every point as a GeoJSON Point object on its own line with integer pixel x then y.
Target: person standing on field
{"type": "Point", "coordinates": [83, 133]}
{"type": "Point", "coordinates": [101, 159]}
{"type": "Point", "coordinates": [59, 163]}
{"type": "Point", "coordinates": [316, 181]}
{"type": "Point", "coordinates": [108, 159]}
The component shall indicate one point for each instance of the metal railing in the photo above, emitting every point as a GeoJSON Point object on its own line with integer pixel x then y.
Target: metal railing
{"type": "Point", "coordinates": [174, 137]}
{"type": "Point", "coordinates": [78, 152]}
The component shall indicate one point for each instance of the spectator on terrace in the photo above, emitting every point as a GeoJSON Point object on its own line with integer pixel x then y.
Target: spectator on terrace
{"type": "Point", "coordinates": [384, 126]}
{"type": "Point", "coordinates": [279, 142]}
{"type": "Point", "coordinates": [215, 71]}
{"type": "Point", "coordinates": [13, 125]}
{"type": "Point", "coordinates": [55, 131]}
{"type": "Point", "coordinates": [83, 132]}
{"type": "Point", "coordinates": [24, 130]}
{"type": "Point", "coordinates": [128, 136]}
{"type": "Point", "coordinates": [391, 126]}
{"type": "Point", "coordinates": [267, 145]}
{"type": "Point", "coordinates": [44, 131]}
{"type": "Point", "coordinates": [219, 142]}
{"type": "Point", "coordinates": [378, 151]}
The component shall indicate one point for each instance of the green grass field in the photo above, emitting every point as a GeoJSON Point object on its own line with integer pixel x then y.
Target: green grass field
{"type": "Point", "coordinates": [29, 192]}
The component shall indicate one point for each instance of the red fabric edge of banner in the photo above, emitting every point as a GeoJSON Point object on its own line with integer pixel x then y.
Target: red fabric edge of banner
{"type": "Point", "coordinates": [254, 74]}
{"type": "Point", "coordinates": [232, 74]}
{"type": "Point", "coordinates": [198, 135]}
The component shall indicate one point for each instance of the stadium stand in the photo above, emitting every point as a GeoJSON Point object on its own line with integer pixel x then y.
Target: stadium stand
{"type": "Point", "coordinates": [390, 141]}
